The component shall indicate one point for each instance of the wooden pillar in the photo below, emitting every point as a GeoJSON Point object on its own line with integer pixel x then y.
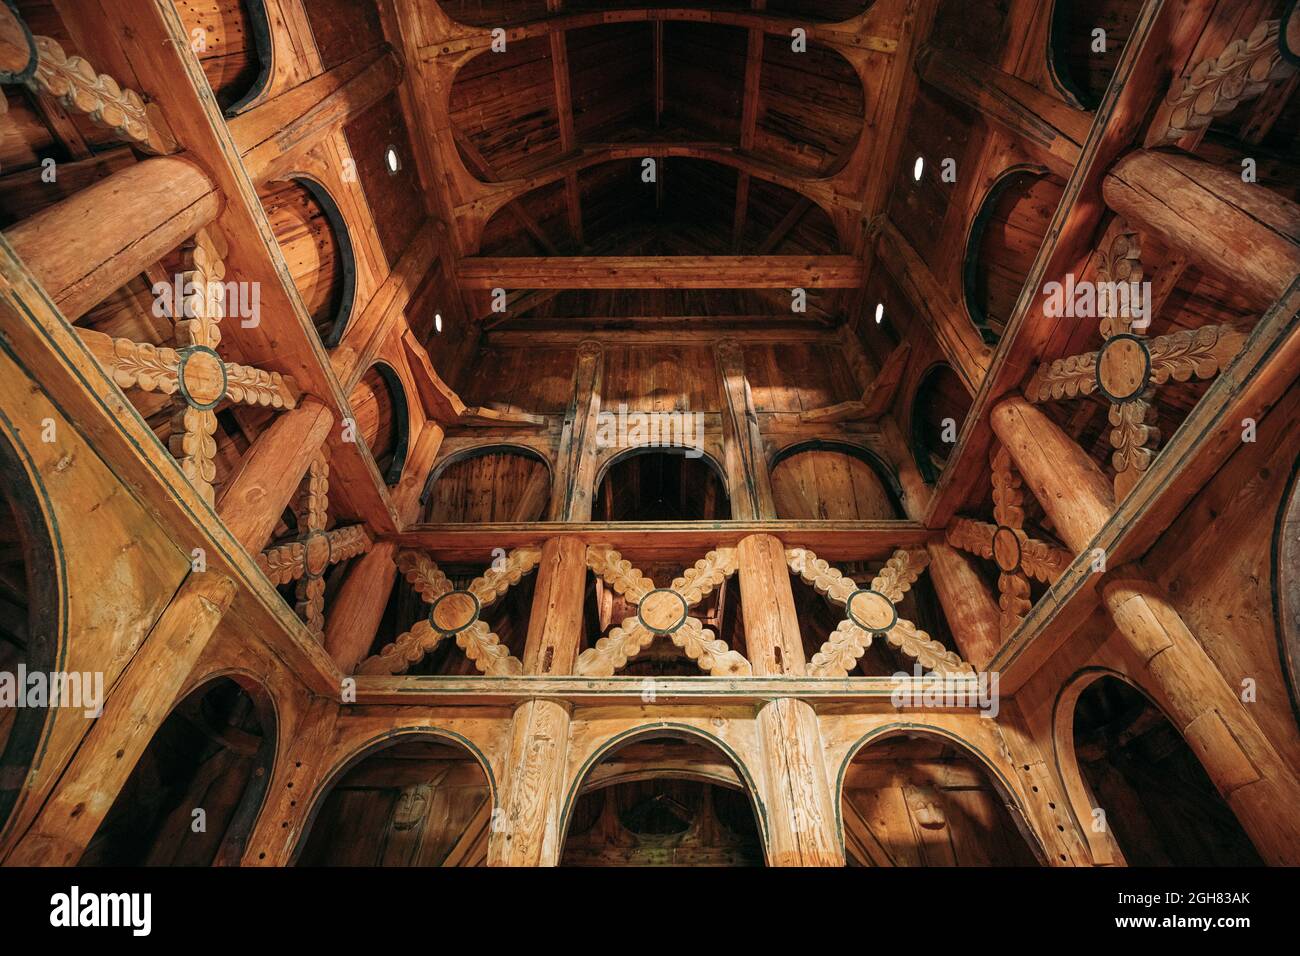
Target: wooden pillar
{"type": "Point", "coordinates": [89, 245]}
{"type": "Point", "coordinates": [532, 786]}
{"type": "Point", "coordinates": [133, 712]}
{"type": "Point", "coordinates": [796, 789]}
{"type": "Point", "coordinates": [1174, 667]}
{"type": "Point", "coordinates": [575, 476]}
{"type": "Point", "coordinates": [356, 613]}
{"type": "Point", "coordinates": [270, 472]}
{"type": "Point", "coordinates": [968, 606]}
{"type": "Point", "coordinates": [1242, 232]}
{"type": "Point", "coordinates": [1052, 129]}
{"type": "Point", "coordinates": [748, 482]}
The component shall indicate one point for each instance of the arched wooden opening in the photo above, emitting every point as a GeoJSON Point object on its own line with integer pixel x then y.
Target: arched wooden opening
{"type": "Point", "coordinates": [33, 618]}
{"type": "Point", "coordinates": [662, 799]}
{"type": "Point", "coordinates": [317, 248]}
{"type": "Point", "coordinates": [815, 480]}
{"type": "Point", "coordinates": [1004, 238]}
{"type": "Point", "coordinates": [1127, 769]}
{"type": "Point", "coordinates": [194, 796]}
{"type": "Point", "coordinates": [1081, 62]}
{"type": "Point", "coordinates": [939, 409]}
{"type": "Point", "coordinates": [418, 799]}
{"type": "Point", "coordinates": [661, 484]}
{"type": "Point", "coordinates": [382, 418]}
{"type": "Point", "coordinates": [232, 39]}
{"type": "Point", "coordinates": [1286, 585]}
{"type": "Point", "coordinates": [495, 483]}
{"type": "Point", "coordinates": [923, 798]}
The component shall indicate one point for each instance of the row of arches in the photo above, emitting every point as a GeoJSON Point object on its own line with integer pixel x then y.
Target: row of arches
{"type": "Point", "coordinates": [811, 480]}
{"type": "Point", "coordinates": [671, 794]}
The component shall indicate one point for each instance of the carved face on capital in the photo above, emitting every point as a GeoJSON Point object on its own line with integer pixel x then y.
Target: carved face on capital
{"type": "Point", "coordinates": [412, 805]}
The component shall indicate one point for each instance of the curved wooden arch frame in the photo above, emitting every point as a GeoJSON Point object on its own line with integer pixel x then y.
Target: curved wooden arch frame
{"type": "Point", "coordinates": [928, 472]}
{"type": "Point", "coordinates": [377, 744]}
{"type": "Point", "coordinates": [677, 730]}
{"type": "Point", "coordinates": [861, 452]}
{"type": "Point", "coordinates": [1058, 71]}
{"type": "Point", "coordinates": [970, 263]}
{"type": "Point", "coordinates": [47, 571]}
{"type": "Point", "coordinates": [1000, 782]}
{"type": "Point", "coordinates": [347, 253]}
{"type": "Point", "coordinates": [1078, 795]}
{"type": "Point", "coordinates": [265, 704]}
{"type": "Point", "coordinates": [636, 451]}
{"type": "Point", "coordinates": [401, 418]}
{"type": "Point", "coordinates": [262, 43]}
{"type": "Point", "coordinates": [489, 447]}
{"type": "Point", "coordinates": [1285, 580]}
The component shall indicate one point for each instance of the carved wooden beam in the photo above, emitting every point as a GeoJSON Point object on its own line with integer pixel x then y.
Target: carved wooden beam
{"type": "Point", "coordinates": [1216, 85]}
{"type": "Point", "coordinates": [871, 611]}
{"type": "Point", "coordinates": [455, 613]}
{"type": "Point", "coordinates": [40, 64]}
{"type": "Point", "coordinates": [661, 612]}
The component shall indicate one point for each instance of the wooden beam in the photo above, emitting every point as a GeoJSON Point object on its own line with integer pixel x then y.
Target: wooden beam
{"type": "Point", "coordinates": [959, 340]}
{"type": "Point", "coordinates": [748, 482]}
{"type": "Point", "coordinates": [575, 473]}
{"type": "Point", "coordinates": [272, 135]}
{"type": "Point", "coordinates": [1052, 129]}
{"type": "Point", "coordinates": [662, 272]}
{"type": "Point", "coordinates": [564, 113]}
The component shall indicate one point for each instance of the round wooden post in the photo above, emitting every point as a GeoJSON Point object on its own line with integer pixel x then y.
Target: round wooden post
{"type": "Point", "coordinates": [89, 245]}
{"type": "Point", "coordinates": [1168, 659]}
{"type": "Point", "coordinates": [1243, 232]}
{"type": "Point", "coordinates": [968, 606]}
{"type": "Point", "coordinates": [527, 833]}
{"type": "Point", "coordinates": [796, 788]}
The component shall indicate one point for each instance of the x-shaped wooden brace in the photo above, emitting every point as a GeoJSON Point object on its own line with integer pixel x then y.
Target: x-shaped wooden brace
{"type": "Point", "coordinates": [1128, 365]}
{"type": "Point", "coordinates": [662, 611]}
{"type": "Point", "coordinates": [455, 613]}
{"type": "Point", "coordinates": [307, 557]}
{"type": "Point", "coordinates": [1017, 555]}
{"type": "Point", "coordinates": [193, 369]}
{"type": "Point", "coordinates": [871, 611]}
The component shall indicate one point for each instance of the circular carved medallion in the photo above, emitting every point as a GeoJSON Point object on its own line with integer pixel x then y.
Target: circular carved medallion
{"type": "Point", "coordinates": [201, 376]}
{"type": "Point", "coordinates": [662, 611]}
{"type": "Point", "coordinates": [316, 553]}
{"type": "Point", "coordinates": [1123, 368]}
{"type": "Point", "coordinates": [871, 610]}
{"type": "Point", "coordinates": [454, 611]}
{"type": "Point", "coordinates": [1006, 549]}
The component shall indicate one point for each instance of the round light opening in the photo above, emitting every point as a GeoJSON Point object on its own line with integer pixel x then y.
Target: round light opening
{"type": "Point", "coordinates": [880, 312]}
{"type": "Point", "coordinates": [918, 168]}
{"type": "Point", "coordinates": [437, 322]}
{"type": "Point", "coordinates": [392, 160]}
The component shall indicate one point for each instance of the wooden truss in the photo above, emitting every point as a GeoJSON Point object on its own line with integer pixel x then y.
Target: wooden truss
{"type": "Point", "coordinates": [193, 372]}
{"type": "Point", "coordinates": [1018, 556]}
{"type": "Point", "coordinates": [455, 612]}
{"type": "Point", "coordinates": [1129, 365]}
{"type": "Point", "coordinates": [662, 611]}
{"type": "Point", "coordinates": [871, 611]}
{"type": "Point", "coordinates": [307, 557]}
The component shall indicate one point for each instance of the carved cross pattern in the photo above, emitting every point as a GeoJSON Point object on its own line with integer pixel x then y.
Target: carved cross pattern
{"type": "Point", "coordinates": [307, 557]}
{"type": "Point", "coordinates": [1128, 365]}
{"type": "Point", "coordinates": [662, 611]}
{"type": "Point", "coordinates": [455, 612]}
{"type": "Point", "coordinates": [871, 611]}
{"type": "Point", "coordinates": [193, 372]}
{"type": "Point", "coordinates": [1018, 556]}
